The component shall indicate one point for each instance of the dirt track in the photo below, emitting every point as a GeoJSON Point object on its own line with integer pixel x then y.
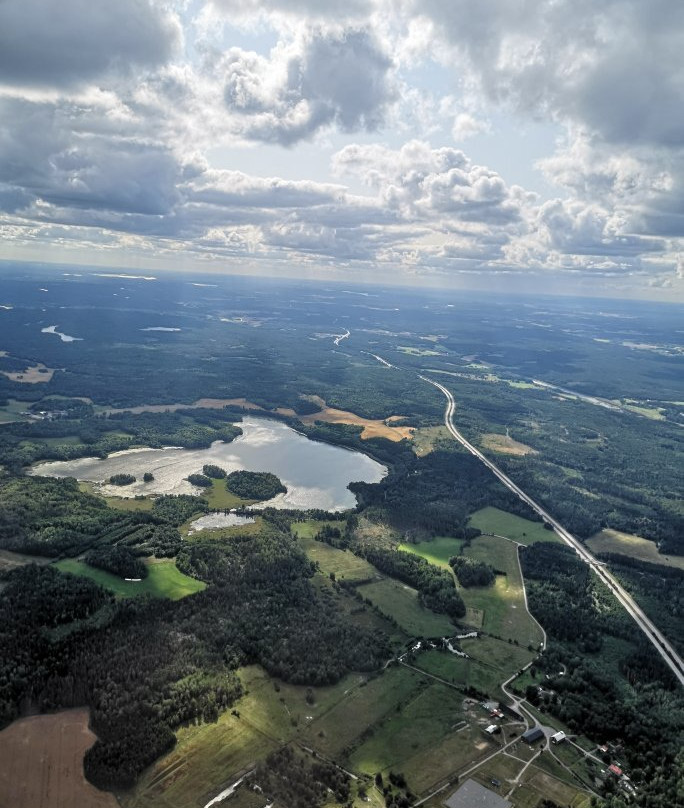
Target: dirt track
{"type": "Point", "coordinates": [41, 763]}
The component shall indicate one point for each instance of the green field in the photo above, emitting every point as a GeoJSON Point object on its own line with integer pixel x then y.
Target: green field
{"type": "Point", "coordinates": [165, 580]}
{"type": "Point", "coordinates": [438, 551]}
{"type": "Point", "coordinates": [309, 528]}
{"type": "Point", "coordinates": [209, 757]}
{"type": "Point", "coordinates": [505, 656]}
{"type": "Point", "coordinates": [460, 671]}
{"type": "Point", "coordinates": [11, 411]}
{"type": "Point", "coordinates": [219, 497]}
{"type": "Point", "coordinates": [490, 662]}
{"type": "Point", "coordinates": [342, 563]}
{"type": "Point", "coordinates": [503, 603]}
{"type": "Point", "coordinates": [120, 503]}
{"type": "Point", "coordinates": [413, 740]}
{"type": "Point", "coordinates": [401, 602]}
{"type": "Point", "coordinates": [496, 522]}
{"type": "Point", "coordinates": [426, 437]}
{"type": "Point", "coordinates": [612, 541]}
{"type": "Point", "coordinates": [339, 728]}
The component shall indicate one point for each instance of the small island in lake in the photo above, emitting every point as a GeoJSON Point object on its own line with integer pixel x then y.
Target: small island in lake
{"type": "Point", "coordinates": [122, 479]}
{"type": "Point", "coordinates": [200, 480]}
{"type": "Point", "coordinates": [254, 484]}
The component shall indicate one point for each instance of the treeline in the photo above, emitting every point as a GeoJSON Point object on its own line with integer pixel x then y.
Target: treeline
{"type": "Point", "coordinates": [118, 560]}
{"type": "Point", "coordinates": [435, 586]}
{"type": "Point", "coordinates": [260, 485]}
{"type": "Point", "coordinates": [637, 491]}
{"type": "Point", "coordinates": [215, 472]}
{"type": "Point", "coordinates": [561, 584]}
{"type": "Point", "coordinates": [626, 695]}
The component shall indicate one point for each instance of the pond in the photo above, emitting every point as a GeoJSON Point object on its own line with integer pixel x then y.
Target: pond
{"type": "Point", "coordinates": [316, 474]}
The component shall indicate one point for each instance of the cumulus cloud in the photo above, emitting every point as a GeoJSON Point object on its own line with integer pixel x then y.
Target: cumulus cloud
{"type": "Point", "coordinates": [617, 67]}
{"type": "Point", "coordinates": [324, 79]}
{"type": "Point", "coordinates": [67, 156]}
{"type": "Point", "coordinates": [111, 132]}
{"type": "Point", "coordinates": [424, 182]}
{"type": "Point", "coordinates": [73, 41]}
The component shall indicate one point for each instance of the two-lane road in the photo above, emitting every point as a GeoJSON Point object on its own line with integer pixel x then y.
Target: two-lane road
{"type": "Point", "coordinates": [658, 640]}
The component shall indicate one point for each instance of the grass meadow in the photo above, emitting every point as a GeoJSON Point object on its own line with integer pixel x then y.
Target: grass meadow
{"type": "Point", "coordinates": [164, 580]}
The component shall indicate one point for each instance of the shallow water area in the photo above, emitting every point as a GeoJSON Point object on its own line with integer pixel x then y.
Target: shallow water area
{"type": "Point", "coordinates": [316, 474]}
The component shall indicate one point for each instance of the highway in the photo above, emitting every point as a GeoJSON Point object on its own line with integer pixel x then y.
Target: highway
{"type": "Point", "coordinates": [659, 642]}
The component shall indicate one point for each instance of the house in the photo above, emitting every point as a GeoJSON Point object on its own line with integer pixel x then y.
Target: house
{"type": "Point", "coordinates": [559, 737]}
{"type": "Point", "coordinates": [472, 795]}
{"type": "Point", "coordinates": [532, 735]}
{"type": "Point", "coordinates": [493, 729]}
{"type": "Point", "coordinates": [616, 770]}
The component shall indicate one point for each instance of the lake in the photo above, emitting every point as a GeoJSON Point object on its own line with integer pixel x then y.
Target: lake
{"type": "Point", "coordinates": [316, 474]}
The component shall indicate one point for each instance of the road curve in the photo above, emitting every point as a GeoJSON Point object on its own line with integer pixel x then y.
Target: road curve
{"type": "Point", "coordinates": [655, 637]}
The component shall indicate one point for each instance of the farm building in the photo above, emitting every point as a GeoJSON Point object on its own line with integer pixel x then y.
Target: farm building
{"type": "Point", "coordinates": [559, 737]}
{"type": "Point", "coordinates": [473, 795]}
{"type": "Point", "coordinates": [616, 770]}
{"type": "Point", "coordinates": [492, 729]}
{"type": "Point", "coordinates": [532, 735]}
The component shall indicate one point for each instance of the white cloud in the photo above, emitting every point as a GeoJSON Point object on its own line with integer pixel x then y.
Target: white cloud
{"type": "Point", "coordinates": [320, 80]}
{"type": "Point", "coordinates": [111, 116]}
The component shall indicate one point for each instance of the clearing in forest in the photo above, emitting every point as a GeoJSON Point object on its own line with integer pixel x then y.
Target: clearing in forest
{"type": "Point", "coordinates": [437, 551]}
{"type": "Point", "coordinates": [41, 763]}
{"type": "Point", "coordinates": [496, 522]}
{"type": "Point", "coordinates": [343, 564]}
{"type": "Point", "coordinates": [400, 601]}
{"type": "Point", "coordinates": [612, 541]}
{"type": "Point", "coordinates": [164, 580]}
{"type": "Point", "coordinates": [371, 428]}
{"type": "Point", "coordinates": [503, 603]}
{"type": "Point", "coordinates": [504, 444]}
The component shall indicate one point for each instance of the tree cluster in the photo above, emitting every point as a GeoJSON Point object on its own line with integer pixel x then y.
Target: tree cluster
{"type": "Point", "coordinates": [122, 479]}
{"type": "Point", "coordinates": [259, 485]}
{"type": "Point", "coordinates": [290, 778]}
{"type": "Point", "coordinates": [215, 472]}
{"type": "Point", "coordinates": [200, 480]}
{"type": "Point", "coordinates": [471, 572]}
{"type": "Point", "coordinates": [435, 586]}
{"type": "Point", "coordinates": [117, 559]}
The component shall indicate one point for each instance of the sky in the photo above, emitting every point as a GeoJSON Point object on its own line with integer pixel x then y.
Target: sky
{"type": "Point", "coordinates": [522, 145]}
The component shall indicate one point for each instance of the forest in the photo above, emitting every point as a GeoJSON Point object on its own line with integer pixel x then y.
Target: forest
{"type": "Point", "coordinates": [145, 666]}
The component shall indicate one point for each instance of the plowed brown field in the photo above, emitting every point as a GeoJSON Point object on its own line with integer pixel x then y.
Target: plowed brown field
{"type": "Point", "coordinates": [41, 763]}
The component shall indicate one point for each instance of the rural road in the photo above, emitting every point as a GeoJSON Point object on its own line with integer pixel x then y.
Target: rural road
{"type": "Point", "coordinates": [657, 639]}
